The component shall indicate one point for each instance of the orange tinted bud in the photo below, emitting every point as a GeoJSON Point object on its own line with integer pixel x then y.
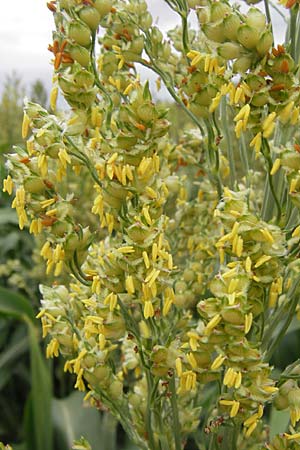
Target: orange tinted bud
{"type": "Point", "coordinates": [66, 59]}
{"type": "Point", "coordinates": [290, 3]}
{"type": "Point", "coordinates": [51, 6]}
{"type": "Point", "coordinates": [25, 160]}
{"type": "Point", "coordinates": [140, 126]}
{"type": "Point", "coordinates": [284, 66]}
{"type": "Point", "coordinates": [48, 221]}
{"type": "Point", "coordinates": [279, 51]}
{"type": "Point", "coordinates": [55, 47]}
{"type": "Point", "coordinates": [277, 87]}
{"type": "Point", "coordinates": [57, 61]}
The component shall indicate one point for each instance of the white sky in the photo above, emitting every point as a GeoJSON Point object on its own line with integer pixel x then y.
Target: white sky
{"type": "Point", "coordinates": [25, 32]}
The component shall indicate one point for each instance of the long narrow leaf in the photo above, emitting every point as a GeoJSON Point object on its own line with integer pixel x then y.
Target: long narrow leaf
{"type": "Point", "coordinates": [38, 425]}
{"type": "Point", "coordinates": [41, 395]}
{"type": "Point", "coordinates": [72, 420]}
{"type": "Point", "coordinates": [15, 305]}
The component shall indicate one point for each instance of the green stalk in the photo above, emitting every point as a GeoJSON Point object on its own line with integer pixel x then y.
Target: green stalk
{"type": "Point", "coordinates": [268, 14]}
{"type": "Point", "coordinates": [213, 157]}
{"type": "Point", "coordinates": [123, 418]}
{"type": "Point", "coordinates": [149, 426]}
{"type": "Point", "coordinates": [266, 201]}
{"type": "Point", "coordinates": [85, 160]}
{"type": "Point", "coordinates": [78, 277]}
{"type": "Point", "coordinates": [176, 423]}
{"type": "Point", "coordinates": [293, 32]}
{"type": "Point", "coordinates": [245, 162]}
{"type": "Point", "coordinates": [98, 82]}
{"type": "Point", "coordinates": [228, 141]}
{"type": "Point", "coordinates": [171, 90]}
{"type": "Point", "coordinates": [80, 272]}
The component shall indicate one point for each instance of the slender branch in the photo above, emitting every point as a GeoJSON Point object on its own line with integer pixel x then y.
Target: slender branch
{"type": "Point", "coordinates": [84, 159]}
{"type": "Point", "coordinates": [267, 156]}
{"type": "Point", "coordinates": [80, 272]}
{"type": "Point", "coordinates": [293, 32]}
{"type": "Point", "coordinates": [174, 406]}
{"type": "Point", "coordinates": [149, 411]}
{"type": "Point", "coordinates": [268, 13]}
{"type": "Point", "coordinates": [171, 90]}
{"type": "Point", "coordinates": [78, 277]}
{"type": "Point", "coordinates": [228, 141]}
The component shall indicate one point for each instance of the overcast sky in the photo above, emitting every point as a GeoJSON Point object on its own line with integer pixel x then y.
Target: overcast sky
{"type": "Point", "coordinates": [25, 32]}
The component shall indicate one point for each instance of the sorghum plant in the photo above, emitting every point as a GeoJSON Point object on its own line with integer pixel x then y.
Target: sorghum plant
{"type": "Point", "coordinates": [188, 279]}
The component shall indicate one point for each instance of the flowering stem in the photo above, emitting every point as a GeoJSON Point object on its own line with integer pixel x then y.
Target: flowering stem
{"type": "Point", "coordinates": [171, 90]}
{"type": "Point", "coordinates": [77, 275]}
{"type": "Point", "coordinates": [176, 422]}
{"type": "Point", "coordinates": [244, 159]}
{"type": "Point", "coordinates": [293, 34]}
{"type": "Point", "coordinates": [149, 426]}
{"type": "Point", "coordinates": [123, 418]}
{"type": "Point", "coordinates": [229, 146]}
{"type": "Point", "coordinates": [268, 14]}
{"type": "Point", "coordinates": [213, 157]}
{"type": "Point", "coordinates": [77, 265]}
{"type": "Point", "coordinates": [84, 159]}
{"type": "Point", "coordinates": [266, 153]}
{"type": "Point", "coordinates": [98, 82]}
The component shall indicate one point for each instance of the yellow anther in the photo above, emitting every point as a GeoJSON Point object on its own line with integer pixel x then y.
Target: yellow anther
{"type": "Point", "coordinates": [268, 121]}
{"type": "Point", "coordinates": [25, 125]}
{"type": "Point", "coordinates": [296, 232]}
{"type": "Point", "coordinates": [196, 60]}
{"type": "Point", "coordinates": [146, 259]}
{"type": "Point", "coordinates": [234, 409]}
{"type": "Point", "coordinates": [268, 236]}
{"type": "Point", "coordinates": [178, 365]}
{"type": "Point", "coordinates": [276, 166]}
{"type": "Point", "coordinates": [285, 113]}
{"type": "Point", "coordinates": [147, 215]}
{"type": "Point", "coordinates": [217, 363]}
{"type": "Point", "coordinates": [238, 94]}
{"type": "Point", "coordinates": [192, 360]}
{"type": "Point", "coordinates": [243, 113]}
{"type": "Point", "coordinates": [148, 309]}
{"type": "Point", "coordinates": [213, 323]}
{"type": "Point", "coordinates": [238, 380]}
{"type": "Point", "coordinates": [256, 142]}
{"type": "Point", "coordinates": [167, 306]}
{"type": "Point", "coordinates": [129, 284]}
{"type": "Point", "coordinates": [53, 98]}
{"type": "Point", "coordinates": [230, 273]}
{"type": "Point", "coordinates": [8, 185]}
{"type": "Point", "coordinates": [248, 322]}
{"type": "Point", "coordinates": [229, 377]}
{"type": "Point", "coordinates": [251, 429]}
{"type": "Point", "coordinates": [263, 259]}
{"type": "Point", "coordinates": [291, 437]}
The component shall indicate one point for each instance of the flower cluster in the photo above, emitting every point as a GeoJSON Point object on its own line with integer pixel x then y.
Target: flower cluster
{"type": "Point", "coordinates": [174, 277]}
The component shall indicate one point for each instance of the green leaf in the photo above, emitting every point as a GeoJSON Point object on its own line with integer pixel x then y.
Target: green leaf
{"type": "Point", "coordinates": [72, 420]}
{"type": "Point", "coordinates": [15, 305]}
{"type": "Point", "coordinates": [38, 423]}
{"type": "Point", "coordinates": [8, 215]}
{"type": "Point", "coordinates": [278, 422]}
{"type": "Point", "coordinates": [41, 395]}
{"type": "Point", "coordinates": [8, 357]}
